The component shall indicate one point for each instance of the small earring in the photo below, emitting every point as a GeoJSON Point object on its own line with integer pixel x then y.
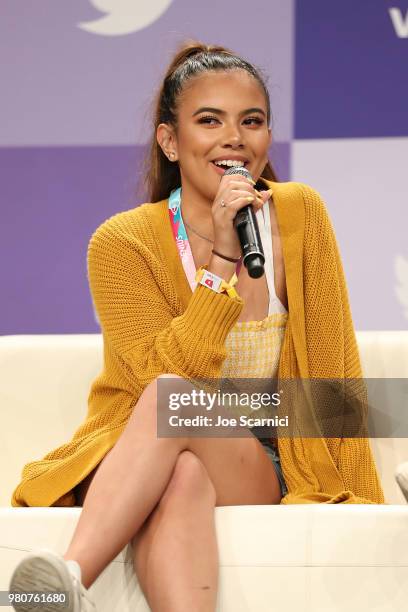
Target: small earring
{"type": "Point", "coordinates": [171, 156]}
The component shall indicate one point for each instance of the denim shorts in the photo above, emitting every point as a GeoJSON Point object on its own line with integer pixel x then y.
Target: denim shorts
{"type": "Point", "coordinates": [274, 457]}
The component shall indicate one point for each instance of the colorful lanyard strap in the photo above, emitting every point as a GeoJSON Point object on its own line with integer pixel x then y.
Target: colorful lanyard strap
{"type": "Point", "coordinates": [181, 238]}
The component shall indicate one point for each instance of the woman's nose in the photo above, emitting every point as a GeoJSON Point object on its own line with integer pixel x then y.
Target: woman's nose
{"type": "Point", "coordinates": [232, 132]}
{"type": "Point", "coordinates": [233, 137]}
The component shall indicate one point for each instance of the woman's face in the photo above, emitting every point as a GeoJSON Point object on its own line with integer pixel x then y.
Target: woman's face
{"type": "Point", "coordinates": [236, 127]}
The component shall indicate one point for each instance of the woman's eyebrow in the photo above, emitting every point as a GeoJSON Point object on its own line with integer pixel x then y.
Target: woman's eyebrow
{"type": "Point", "coordinates": [210, 109]}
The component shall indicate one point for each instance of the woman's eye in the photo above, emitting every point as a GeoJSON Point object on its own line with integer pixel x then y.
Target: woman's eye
{"type": "Point", "coordinates": [256, 119]}
{"type": "Point", "coordinates": [208, 119]}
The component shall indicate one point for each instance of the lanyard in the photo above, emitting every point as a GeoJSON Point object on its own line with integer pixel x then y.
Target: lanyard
{"type": "Point", "coordinates": [181, 238]}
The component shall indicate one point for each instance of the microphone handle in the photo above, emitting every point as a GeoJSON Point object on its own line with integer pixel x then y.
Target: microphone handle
{"type": "Point", "coordinates": [246, 224]}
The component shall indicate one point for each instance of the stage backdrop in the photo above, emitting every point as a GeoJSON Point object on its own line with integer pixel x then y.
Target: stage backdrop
{"type": "Point", "coordinates": [77, 79]}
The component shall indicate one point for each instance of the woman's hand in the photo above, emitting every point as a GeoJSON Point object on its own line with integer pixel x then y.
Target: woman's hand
{"type": "Point", "coordinates": [236, 191]}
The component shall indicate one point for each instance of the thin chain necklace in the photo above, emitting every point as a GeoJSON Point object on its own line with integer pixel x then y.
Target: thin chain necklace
{"type": "Point", "coordinates": [193, 230]}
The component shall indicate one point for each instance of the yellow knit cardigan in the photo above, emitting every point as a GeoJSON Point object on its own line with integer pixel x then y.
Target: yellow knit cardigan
{"type": "Point", "coordinates": [152, 323]}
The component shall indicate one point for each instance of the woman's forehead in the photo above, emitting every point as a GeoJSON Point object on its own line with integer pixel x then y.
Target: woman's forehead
{"type": "Point", "coordinates": [216, 88]}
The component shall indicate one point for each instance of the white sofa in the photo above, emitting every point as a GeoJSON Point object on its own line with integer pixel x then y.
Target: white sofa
{"type": "Point", "coordinates": [309, 558]}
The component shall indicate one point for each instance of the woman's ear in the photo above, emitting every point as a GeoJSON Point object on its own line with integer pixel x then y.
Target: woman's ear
{"type": "Point", "coordinates": [167, 141]}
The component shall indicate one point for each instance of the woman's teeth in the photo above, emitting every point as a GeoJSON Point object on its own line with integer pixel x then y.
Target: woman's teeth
{"type": "Point", "coordinates": [229, 163]}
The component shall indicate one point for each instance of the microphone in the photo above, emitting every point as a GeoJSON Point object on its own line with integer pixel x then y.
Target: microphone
{"type": "Point", "coordinates": [246, 224]}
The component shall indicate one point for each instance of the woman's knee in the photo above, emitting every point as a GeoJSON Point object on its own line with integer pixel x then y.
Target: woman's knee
{"type": "Point", "coordinates": [150, 391]}
{"type": "Point", "coordinates": [189, 481]}
{"type": "Point", "coordinates": [145, 411]}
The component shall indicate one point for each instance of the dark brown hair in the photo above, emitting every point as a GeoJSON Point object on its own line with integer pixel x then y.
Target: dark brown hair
{"type": "Point", "coordinates": [159, 174]}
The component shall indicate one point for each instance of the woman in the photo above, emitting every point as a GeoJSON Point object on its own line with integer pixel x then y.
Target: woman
{"type": "Point", "coordinates": [158, 319]}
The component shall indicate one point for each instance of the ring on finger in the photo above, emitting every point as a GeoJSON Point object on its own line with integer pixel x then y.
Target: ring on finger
{"type": "Point", "coordinates": [223, 204]}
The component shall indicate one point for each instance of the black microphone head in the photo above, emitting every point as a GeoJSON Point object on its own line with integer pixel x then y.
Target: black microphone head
{"type": "Point", "coordinates": [239, 170]}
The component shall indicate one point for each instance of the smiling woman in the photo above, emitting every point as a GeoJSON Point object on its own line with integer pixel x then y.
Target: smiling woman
{"type": "Point", "coordinates": [176, 304]}
{"type": "Point", "coordinates": [231, 135]}
{"type": "Point", "coordinates": [222, 121]}
{"type": "Point", "coordinates": [189, 65]}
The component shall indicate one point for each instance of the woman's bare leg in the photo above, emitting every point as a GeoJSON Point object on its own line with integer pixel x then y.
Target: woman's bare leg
{"type": "Point", "coordinates": [175, 551]}
{"type": "Point", "coordinates": [126, 487]}
{"type": "Point", "coordinates": [134, 475]}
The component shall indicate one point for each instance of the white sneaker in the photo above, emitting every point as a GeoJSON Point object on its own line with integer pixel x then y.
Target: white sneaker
{"type": "Point", "coordinates": [47, 571]}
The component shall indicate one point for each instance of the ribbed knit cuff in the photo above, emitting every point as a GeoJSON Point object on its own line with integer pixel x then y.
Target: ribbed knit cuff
{"type": "Point", "coordinates": [212, 315]}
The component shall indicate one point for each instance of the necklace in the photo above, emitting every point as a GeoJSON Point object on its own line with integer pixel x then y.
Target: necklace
{"type": "Point", "coordinates": [200, 236]}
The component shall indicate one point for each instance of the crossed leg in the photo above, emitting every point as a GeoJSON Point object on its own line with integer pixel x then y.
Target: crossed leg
{"type": "Point", "coordinates": [175, 550]}
{"type": "Point", "coordinates": [160, 494]}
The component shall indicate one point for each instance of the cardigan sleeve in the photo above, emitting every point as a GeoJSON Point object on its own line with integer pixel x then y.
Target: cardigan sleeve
{"type": "Point", "coordinates": [136, 304]}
